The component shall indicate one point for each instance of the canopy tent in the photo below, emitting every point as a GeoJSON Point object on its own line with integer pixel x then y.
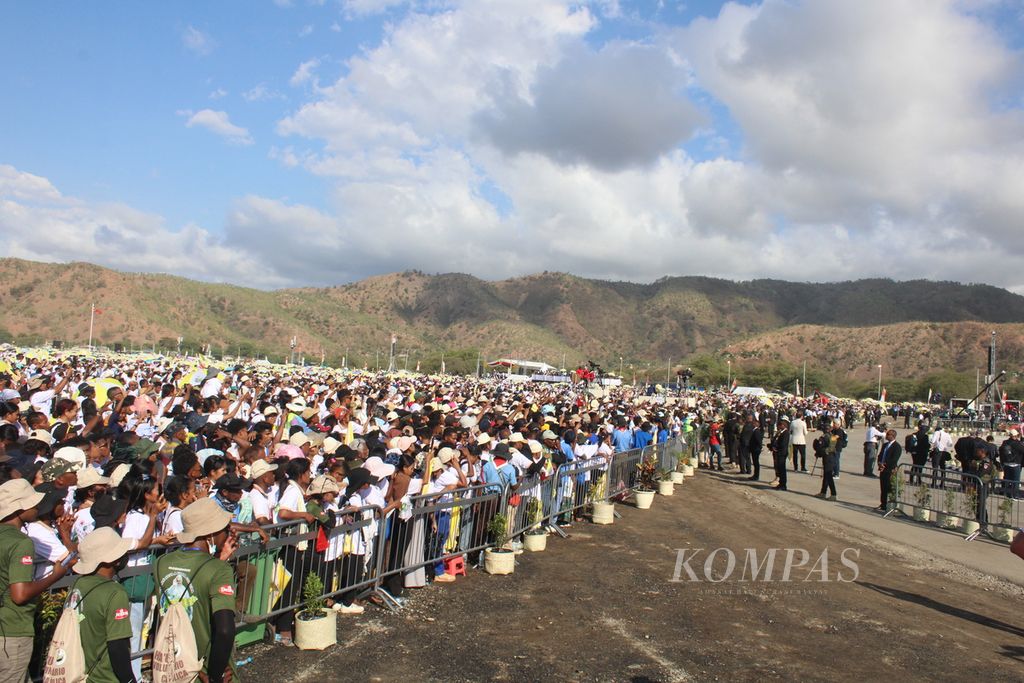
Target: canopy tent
{"type": "Point", "coordinates": [749, 391]}
{"type": "Point", "coordinates": [523, 365]}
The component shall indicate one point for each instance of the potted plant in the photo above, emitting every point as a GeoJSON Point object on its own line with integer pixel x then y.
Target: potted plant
{"type": "Point", "coordinates": [536, 538]}
{"type": "Point", "coordinates": [678, 476]}
{"type": "Point", "coordinates": [316, 628]}
{"type": "Point", "coordinates": [895, 491]}
{"type": "Point", "coordinates": [647, 483]}
{"type": "Point", "coordinates": [970, 524]}
{"type": "Point", "coordinates": [688, 466]}
{"type": "Point", "coordinates": [602, 511]}
{"type": "Point", "coordinates": [1003, 531]}
{"type": "Point", "coordinates": [499, 559]}
{"type": "Point", "coordinates": [665, 485]}
{"type": "Point", "coordinates": [946, 519]}
{"type": "Point", "coordinates": [923, 497]}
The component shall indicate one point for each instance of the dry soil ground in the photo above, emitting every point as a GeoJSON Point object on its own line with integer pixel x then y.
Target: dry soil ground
{"type": "Point", "coordinates": [602, 606]}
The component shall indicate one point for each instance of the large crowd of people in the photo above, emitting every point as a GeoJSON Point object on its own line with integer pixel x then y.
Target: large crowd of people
{"type": "Point", "coordinates": [104, 458]}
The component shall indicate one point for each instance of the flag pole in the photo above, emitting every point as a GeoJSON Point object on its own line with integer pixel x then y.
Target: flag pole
{"type": "Point", "coordinates": [92, 317]}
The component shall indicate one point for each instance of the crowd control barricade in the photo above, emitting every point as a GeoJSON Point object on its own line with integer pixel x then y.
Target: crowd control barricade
{"type": "Point", "coordinates": [951, 498]}
{"type": "Point", "coordinates": [532, 504]}
{"type": "Point", "coordinates": [577, 484]}
{"type": "Point", "coordinates": [346, 558]}
{"type": "Point", "coordinates": [623, 474]}
{"type": "Point", "coordinates": [1003, 509]}
{"type": "Point", "coordinates": [436, 527]}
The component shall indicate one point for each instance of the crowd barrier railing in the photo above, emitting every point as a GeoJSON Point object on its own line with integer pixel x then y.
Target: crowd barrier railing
{"type": "Point", "coordinates": [368, 552]}
{"type": "Point", "coordinates": [951, 498]}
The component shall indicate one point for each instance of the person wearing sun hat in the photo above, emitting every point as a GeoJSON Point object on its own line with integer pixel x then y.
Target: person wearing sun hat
{"type": "Point", "coordinates": [101, 604]}
{"type": "Point", "coordinates": [208, 583]}
{"type": "Point", "coordinates": [18, 590]}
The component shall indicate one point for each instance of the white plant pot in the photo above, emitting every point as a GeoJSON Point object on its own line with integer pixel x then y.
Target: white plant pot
{"type": "Point", "coordinates": [922, 515]}
{"type": "Point", "coordinates": [969, 526]}
{"type": "Point", "coordinates": [316, 634]}
{"type": "Point", "coordinates": [604, 513]}
{"type": "Point", "coordinates": [677, 477]}
{"type": "Point", "coordinates": [644, 499]}
{"type": "Point", "coordinates": [1001, 534]}
{"type": "Point", "coordinates": [499, 562]}
{"type": "Point", "coordinates": [688, 470]}
{"type": "Point", "coordinates": [535, 543]}
{"type": "Point", "coordinates": [953, 522]}
{"type": "Point", "coordinates": [907, 509]}
{"type": "Point", "coordinates": [945, 521]}
{"type": "Point", "coordinates": [666, 488]}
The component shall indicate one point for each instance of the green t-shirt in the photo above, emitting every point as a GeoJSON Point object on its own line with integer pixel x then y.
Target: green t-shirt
{"type": "Point", "coordinates": [203, 584]}
{"type": "Point", "coordinates": [102, 617]}
{"type": "Point", "coordinates": [16, 553]}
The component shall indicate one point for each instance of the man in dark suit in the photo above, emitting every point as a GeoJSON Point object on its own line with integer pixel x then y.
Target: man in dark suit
{"type": "Point", "coordinates": [780, 452]}
{"type": "Point", "coordinates": [888, 460]}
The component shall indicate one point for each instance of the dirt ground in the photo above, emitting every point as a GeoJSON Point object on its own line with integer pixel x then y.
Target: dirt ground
{"type": "Point", "coordinates": [602, 606]}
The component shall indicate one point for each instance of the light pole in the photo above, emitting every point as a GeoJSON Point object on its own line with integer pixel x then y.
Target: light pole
{"type": "Point", "coordinates": [620, 367]}
{"type": "Point", "coordinates": [879, 381]}
{"type": "Point", "coordinates": [292, 344]}
{"type": "Point", "coordinates": [180, 339]}
{"type": "Point", "coordinates": [728, 382]}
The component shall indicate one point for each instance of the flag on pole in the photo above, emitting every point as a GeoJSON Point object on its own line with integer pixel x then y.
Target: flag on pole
{"type": "Point", "coordinates": [929, 396]}
{"type": "Point", "coordinates": [735, 383]}
{"type": "Point", "coordinates": [883, 395]}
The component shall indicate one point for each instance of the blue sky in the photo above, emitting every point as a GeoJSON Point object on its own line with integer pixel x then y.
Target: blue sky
{"type": "Point", "coordinates": [498, 136]}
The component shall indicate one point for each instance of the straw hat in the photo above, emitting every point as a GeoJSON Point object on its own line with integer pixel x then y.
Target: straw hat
{"type": "Point", "coordinates": [202, 518]}
{"type": "Point", "coordinates": [322, 484]}
{"type": "Point", "coordinates": [100, 546]}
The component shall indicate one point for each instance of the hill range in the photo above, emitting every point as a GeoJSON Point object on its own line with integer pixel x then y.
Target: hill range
{"type": "Point", "coordinates": [912, 328]}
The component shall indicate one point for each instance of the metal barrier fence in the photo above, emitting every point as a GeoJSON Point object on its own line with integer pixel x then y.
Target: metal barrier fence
{"type": "Point", "coordinates": [433, 528]}
{"type": "Point", "coordinates": [369, 553]}
{"type": "Point", "coordinates": [955, 499]}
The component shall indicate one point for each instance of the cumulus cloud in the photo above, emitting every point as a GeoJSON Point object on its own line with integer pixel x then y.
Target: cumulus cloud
{"type": "Point", "coordinates": [197, 41]}
{"type": "Point", "coordinates": [305, 73]}
{"type": "Point", "coordinates": [621, 106]}
{"type": "Point", "coordinates": [37, 222]}
{"type": "Point", "coordinates": [819, 140]}
{"type": "Point", "coordinates": [219, 123]}
{"type": "Point", "coordinates": [261, 93]}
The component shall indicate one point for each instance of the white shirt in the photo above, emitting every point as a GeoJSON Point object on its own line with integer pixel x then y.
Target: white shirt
{"type": "Point", "coordinates": [211, 387]}
{"type": "Point", "coordinates": [48, 547]}
{"type": "Point", "coordinates": [43, 401]}
{"type": "Point", "coordinates": [261, 505]}
{"type": "Point", "coordinates": [135, 525]}
{"type": "Point", "coordinates": [873, 435]}
{"type": "Point", "coordinates": [291, 499]}
{"type": "Point", "coordinates": [172, 523]}
{"type": "Point", "coordinates": [798, 432]}
{"type": "Point", "coordinates": [83, 524]}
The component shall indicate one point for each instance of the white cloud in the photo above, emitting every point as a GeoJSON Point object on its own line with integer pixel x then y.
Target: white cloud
{"type": "Point", "coordinates": [305, 73]}
{"type": "Point", "coordinates": [336, 27]}
{"type": "Point", "coordinates": [38, 223]}
{"type": "Point", "coordinates": [305, 30]}
{"type": "Point", "coordinates": [261, 93]}
{"type": "Point", "coordinates": [196, 41]}
{"type": "Point", "coordinates": [218, 122]}
{"type": "Point", "coordinates": [218, 94]}
{"type": "Point", "coordinates": [369, 7]}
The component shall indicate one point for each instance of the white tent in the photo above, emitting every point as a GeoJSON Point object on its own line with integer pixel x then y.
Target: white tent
{"type": "Point", "coordinates": [749, 391]}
